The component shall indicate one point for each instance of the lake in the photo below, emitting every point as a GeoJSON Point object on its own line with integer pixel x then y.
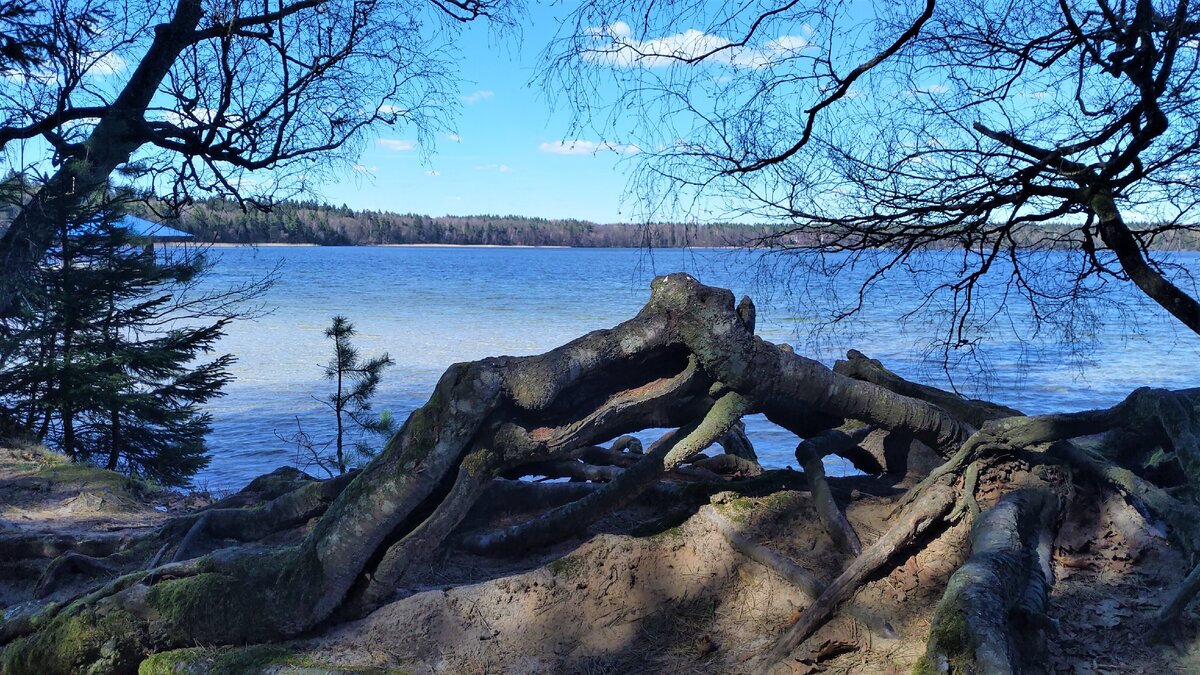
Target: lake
{"type": "Point", "coordinates": [429, 307]}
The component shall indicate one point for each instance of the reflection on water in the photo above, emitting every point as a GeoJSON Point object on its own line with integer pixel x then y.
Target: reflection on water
{"type": "Point", "coordinates": [430, 307]}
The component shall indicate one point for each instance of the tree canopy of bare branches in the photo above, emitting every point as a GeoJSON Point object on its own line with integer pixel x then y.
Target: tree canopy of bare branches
{"type": "Point", "coordinates": [993, 128]}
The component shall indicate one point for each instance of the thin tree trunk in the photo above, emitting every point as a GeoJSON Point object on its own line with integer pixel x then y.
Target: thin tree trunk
{"type": "Point", "coordinates": [113, 140]}
{"type": "Point", "coordinates": [114, 440]}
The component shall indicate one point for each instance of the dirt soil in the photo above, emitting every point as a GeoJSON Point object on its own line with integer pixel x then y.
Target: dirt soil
{"type": "Point", "coordinates": [675, 600]}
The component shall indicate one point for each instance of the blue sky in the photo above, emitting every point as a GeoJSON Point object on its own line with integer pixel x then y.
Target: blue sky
{"type": "Point", "coordinates": [510, 152]}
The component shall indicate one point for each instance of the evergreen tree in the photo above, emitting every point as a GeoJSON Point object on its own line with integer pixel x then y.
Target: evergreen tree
{"type": "Point", "coordinates": [356, 381]}
{"type": "Point", "coordinates": [99, 363]}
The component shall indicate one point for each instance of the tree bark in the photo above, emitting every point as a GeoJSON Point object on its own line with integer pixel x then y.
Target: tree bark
{"type": "Point", "coordinates": [997, 598]}
{"type": "Point", "coordinates": [1117, 237]}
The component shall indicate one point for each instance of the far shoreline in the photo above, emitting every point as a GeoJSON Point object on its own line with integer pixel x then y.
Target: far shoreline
{"type": "Point", "coordinates": [226, 244]}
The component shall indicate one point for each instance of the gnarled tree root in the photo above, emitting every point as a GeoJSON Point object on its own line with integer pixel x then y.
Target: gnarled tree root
{"type": "Point", "coordinates": [290, 509]}
{"type": "Point", "coordinates": [666, 454]}
{"type": "Point", "coordinates": [43, 545]}
{"type": "Point", "coordinates": [1167, 619]}
{"type": "Point", "coordinates": [972, 411]}
{"type": "Point", "coordinates": [68, 564]}
{"type": "Point", "coordinates": [996, 599]}
{"type": "Point", "coordinates": [811, 453]}
{"type": "Point", "coordinates": [912, 522]}
{"type": "Point", "coordinates": [656, 370]}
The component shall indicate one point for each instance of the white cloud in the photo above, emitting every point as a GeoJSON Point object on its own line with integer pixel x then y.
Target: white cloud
{"type": "Point", "coordinates": [107, 64]}
{"type": "Point", "coordinates": [477, 96]}
{"type": "Point", "coordinates": [366, 169]}
{"type": "Point", "coordinates": [616, 46]}
{"type": "Point", "coordinates": [501, 168]}
{"type": "Point", "coordinates": [397, 144]}
{"type": "Point", "coordinates": [454, 138]}
{"type": "Point", "coordinates": [433, 172]}
{"type": "Point", "coordinates": [388, 109]}
{"type": "Point", "coordinates": [97, 64]}
{"type": "Point", "coordinates": [586, 148]}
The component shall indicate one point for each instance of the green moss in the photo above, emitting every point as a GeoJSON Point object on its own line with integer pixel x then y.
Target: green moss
{"type": "Point", "coordinates": [255, 599]}
{"type": "Point", "coordinates": [669, 533]}
{"type": "Point", "coordinates": [480, 462]}
{"type": "Point", "coordinates": [275, 659]}
{"type": "Point", "coordinates": [88, 477]}
{"type": "Point", "coordinates": [738, 510]}
{"type": "Point", "coordinates": [567, 566]}
{"type": "Point", "coordinates": [782, 500]}
{"type": "Point", "coordinates": [851, 424]}
{"type": "Point", "coordinates": [949, 637]}
{"type": "Point", "coordinates": [108, 639]}
{"type": "Point", "coordinates": [84, 474]}
{"type": "Point", "coordinates": [189, 606]}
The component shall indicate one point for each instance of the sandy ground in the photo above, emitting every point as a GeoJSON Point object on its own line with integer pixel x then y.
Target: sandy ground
{"type": "Point", "coordinates": [675, 600]}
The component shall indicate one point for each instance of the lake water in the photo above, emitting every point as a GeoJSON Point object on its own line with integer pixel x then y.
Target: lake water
{"type": "Point", "coordinates": [430, 307]}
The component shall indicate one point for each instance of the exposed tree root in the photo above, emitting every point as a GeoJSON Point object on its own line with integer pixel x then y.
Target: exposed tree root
{"type": "Point", "coordinates": [911, 524]}
{"type": "Point", "coordinates": [573, 469]}
{"type": "Point", "coordinates": [688, 361]}
{"type": "Point", "coordinates": [997, 598]}
{"type": "Point", "coordinates": [737, 444]}
{"type": "Point", "coordinates": [666, 454]}
{"type": "Point", "coordinates": [290, 509]}
{"type": "Point", "coordinates": [1167, 619]}
{"type": "Point", "coordinates": [1155, 504]}
{"type": "Point", "coordinates": [40, 545]}
{"type": "Point", "coordinates": [811, 453]}
{"type": "Point", "coordinates": [474, 477]}
{"type": "Point", "coordinates": [796, 575]}
{"type": "Point", "coordinates": [68, 564]}
{"type": "Point", "coordinates": [729, 465]}
{"type": "Point", "coordinates": [972, 411]}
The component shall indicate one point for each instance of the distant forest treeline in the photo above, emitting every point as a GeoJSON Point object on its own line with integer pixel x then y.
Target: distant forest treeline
{"type": "Point", "coordinates": [310, 222]}
{"type": "Point", "coordinates": [303, 222]}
